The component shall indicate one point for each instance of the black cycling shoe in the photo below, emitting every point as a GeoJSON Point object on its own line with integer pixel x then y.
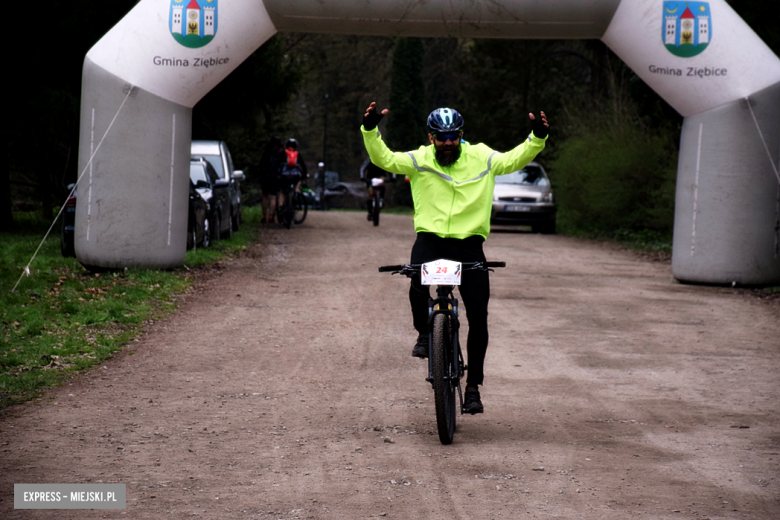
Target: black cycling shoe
{"type": "Point", "coordinates": [472, 403]}
{"type": "Point", "coordinates": [420, 350]}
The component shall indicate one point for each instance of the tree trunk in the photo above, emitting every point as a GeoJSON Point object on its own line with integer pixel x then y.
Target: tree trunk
{"type": "Point", "coordinates": [6, 215]}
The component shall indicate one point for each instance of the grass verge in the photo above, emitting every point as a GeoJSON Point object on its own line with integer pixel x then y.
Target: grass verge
{"type": "Point", "coordinates": [62, 318]}
{"type": "Point", "coordinates": [652, 243]}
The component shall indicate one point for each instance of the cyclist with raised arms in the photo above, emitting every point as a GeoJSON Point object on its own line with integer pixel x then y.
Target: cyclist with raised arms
{"type": "Point", "coordinates": [452, 186]}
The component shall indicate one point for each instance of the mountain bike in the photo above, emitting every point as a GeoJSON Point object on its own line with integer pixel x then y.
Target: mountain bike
{"type": "Point", "coordinates": [445, 358]}
{"type": "Point", "coordinates": [377, 198]}
{"type": "Point", "coordinates": [295, 207]}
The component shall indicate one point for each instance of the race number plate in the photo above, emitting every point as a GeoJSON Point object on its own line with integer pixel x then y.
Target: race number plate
{"type": "Point", "coordinates": [441, 272]}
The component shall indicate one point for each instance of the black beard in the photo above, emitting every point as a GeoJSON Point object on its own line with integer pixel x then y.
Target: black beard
{"type": "Point", "coordinates": [447, 159]}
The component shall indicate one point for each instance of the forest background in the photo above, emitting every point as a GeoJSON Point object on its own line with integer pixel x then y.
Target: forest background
{"type": "Point", "coordinates": [611, 157]}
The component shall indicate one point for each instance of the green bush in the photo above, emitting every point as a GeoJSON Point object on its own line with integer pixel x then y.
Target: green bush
{"type": "Point", "coordinates": [612, 180]}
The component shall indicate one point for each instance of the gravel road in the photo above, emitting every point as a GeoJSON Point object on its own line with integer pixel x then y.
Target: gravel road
{"type": "Point", "coordinates": [283, 388]}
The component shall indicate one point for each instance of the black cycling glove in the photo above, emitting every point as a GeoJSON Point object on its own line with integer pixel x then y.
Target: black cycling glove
{"type": "Point", "coordinates": [372, 119]}
{"type": "Point", "coordinates": [540, 131]}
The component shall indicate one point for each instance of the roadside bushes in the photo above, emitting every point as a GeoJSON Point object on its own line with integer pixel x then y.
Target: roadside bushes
{"type": "Point", "coordinates": [615, 179]}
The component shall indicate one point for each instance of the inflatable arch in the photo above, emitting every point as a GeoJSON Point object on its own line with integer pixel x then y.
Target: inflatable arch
{"type": "Point", "coordinates": [141, 80]}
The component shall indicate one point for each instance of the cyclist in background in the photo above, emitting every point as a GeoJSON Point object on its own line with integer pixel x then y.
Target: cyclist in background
{"type": "Point", "coordinates": [368, 172]}
{"type": "Point", "coordinates": [452, 187]}
{"type": "Point", "coordinates": [293, 168]}
{"type": "Point", "coordinates": [270, 168]}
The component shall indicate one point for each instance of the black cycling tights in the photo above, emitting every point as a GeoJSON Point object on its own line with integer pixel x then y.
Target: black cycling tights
{"type": "Point", "coordinates": [474, 291]}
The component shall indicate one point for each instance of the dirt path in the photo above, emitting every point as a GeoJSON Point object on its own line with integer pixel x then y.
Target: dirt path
{"type": "Point", "coordinates": [284, 388]}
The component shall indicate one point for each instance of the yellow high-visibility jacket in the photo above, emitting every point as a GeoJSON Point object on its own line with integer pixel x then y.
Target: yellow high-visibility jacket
{"type": "Point", "coordinates": [453, 201]}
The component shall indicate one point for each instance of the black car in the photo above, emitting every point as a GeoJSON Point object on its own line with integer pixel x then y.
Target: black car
{"type": "Point", "coordinates": [214, 190]}
{"type": "Point", "coordinates": [198, 225]}
{"type": "Point", "coordinates": [69, 225]}
{"type": "Point", "coordinates": [217, 154]}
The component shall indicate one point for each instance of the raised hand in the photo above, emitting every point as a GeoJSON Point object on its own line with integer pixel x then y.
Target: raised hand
{"type": "Point", "coordinates": [540, 126]}
{"type": "Point", "coordinates": [372, 118]}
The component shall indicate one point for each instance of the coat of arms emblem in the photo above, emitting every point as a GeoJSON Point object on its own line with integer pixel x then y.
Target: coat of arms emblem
{"type": "Point", "coordinates": [687, 28]}
{"type": "Point", "coordinates": [193, 24]}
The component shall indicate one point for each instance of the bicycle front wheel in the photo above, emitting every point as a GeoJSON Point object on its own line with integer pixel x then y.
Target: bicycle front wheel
{"type": "Point", "coordinates": [444, 380]}
{"type": "Point", "coordinates": [301, 208]}
{"type": "Point", "coordinates": [375, 211]}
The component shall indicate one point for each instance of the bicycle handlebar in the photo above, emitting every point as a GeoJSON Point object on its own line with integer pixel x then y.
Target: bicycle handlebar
{"type": "Point", "coordinates": [387, 268]}
{"type": "Point", "coordinates": [410, 269]}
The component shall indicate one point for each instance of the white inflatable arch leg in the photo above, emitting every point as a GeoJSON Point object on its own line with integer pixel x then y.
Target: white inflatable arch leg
{"type": "Point", "coordinates": [138, 89]}
{"type": "Point", "coordinates": [132, 201]}
{"type": "Point", "coordinates": [144, 76]}
{"type": "Point", "coordinates": [727, 206]}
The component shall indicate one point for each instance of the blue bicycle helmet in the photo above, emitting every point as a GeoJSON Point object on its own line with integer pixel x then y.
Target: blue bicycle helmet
{"type": "Point", "coordinates": [444, 120]}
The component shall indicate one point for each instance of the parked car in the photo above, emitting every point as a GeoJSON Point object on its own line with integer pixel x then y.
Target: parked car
{"type": "Point", "coordinates": [318, 186]}
{"type": "Point", "coordinates": [67, 241]}
{"type": "Point", "coordinates": [345, 195]}
{"type": "Point", "coordinates": [330, 178]}
{"type": "Point", "coordinates": [214, 190]}
{"type": "Point", "coordinates": [525, 197]}
{"type": "Point", "coordinates": [198, 224]}
{"type": "Point", "coordinates": [218, 155]}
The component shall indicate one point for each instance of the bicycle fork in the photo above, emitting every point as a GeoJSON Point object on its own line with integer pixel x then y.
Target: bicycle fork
{"type": "Point", "coordinates": [449, 306]}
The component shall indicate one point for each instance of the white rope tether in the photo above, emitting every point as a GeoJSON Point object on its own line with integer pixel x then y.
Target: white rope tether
{"type": "Point", "coordinates": [26, 270]}
{"type": "Point", "coordinates": [763, 141]}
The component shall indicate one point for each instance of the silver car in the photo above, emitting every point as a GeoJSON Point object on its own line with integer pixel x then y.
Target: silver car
{"type": "Point", "coordinates": [525, 197]}
{"type": "Point", "coordinates": [218, 156]}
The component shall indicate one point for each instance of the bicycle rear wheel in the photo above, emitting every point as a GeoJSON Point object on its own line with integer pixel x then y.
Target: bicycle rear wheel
{"type": "Point", "coordinates": [301, 208]}
{"type": "Point", "coordinates": [444, 381]}
{"type": "Point", "coordinates": [285, 211]}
